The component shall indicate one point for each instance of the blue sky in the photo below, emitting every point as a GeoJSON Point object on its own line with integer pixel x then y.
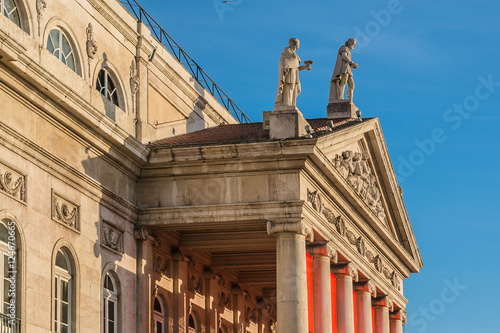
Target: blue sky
{"type": "Point", "coordinates": [430, 70]}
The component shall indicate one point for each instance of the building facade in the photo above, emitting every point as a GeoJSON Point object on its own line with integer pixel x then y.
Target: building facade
{"type": "Point", "coordinates": [136, 197]}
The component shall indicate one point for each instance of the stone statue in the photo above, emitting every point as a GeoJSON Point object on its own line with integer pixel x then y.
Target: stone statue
{"type": "Point", "coordinates": [289, 67]}
{"type": "Point", "coordinates": [342, 73]}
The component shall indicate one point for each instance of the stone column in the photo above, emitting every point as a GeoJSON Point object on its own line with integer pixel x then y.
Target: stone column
{"type": "Point", "coordinates": [322, 255]}
{"type": "Point", "coordinates": [345, 305]}
{"type": "Point", "coordinates": [382, 306]}
{"type": "Point", "coordinates": [365, 291]}
{"type": "Point", "coordinates": [396, 322]}
{"type": "Point", "coordinates": [291, 275]}
{"type": "Point", "coordinates": [142, 315]}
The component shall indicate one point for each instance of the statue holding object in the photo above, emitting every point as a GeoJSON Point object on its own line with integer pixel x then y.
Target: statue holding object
{"type": "Point", "coordinates": [342, 74]}
{"type": "Point", "coordinates": [288, 83]}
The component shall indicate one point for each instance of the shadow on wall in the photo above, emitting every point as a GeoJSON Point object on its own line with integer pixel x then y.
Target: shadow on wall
{"type": "Point", "coordinates": [197, 116]}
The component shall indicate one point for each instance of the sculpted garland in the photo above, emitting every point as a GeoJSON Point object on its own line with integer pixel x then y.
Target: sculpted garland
{"type": "Point", "coordinates": [317, 203]}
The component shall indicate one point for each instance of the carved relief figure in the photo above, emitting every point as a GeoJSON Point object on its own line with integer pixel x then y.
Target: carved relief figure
{"type": "Point", "coordinates": [355, 168]}
{"type": "Point", "coordinates": [342, 73]}
{"type": "Point", "coordinates": [289, 67]}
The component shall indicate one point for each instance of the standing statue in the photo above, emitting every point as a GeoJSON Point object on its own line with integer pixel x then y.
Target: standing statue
{"type": "Point", "coordinates": [342, 73]}
{"type": "Point", "coordinates": [289, 67]}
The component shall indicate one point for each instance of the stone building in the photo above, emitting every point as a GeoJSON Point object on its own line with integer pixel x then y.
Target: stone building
{"type": "Point", "coordinates": [136, 197]}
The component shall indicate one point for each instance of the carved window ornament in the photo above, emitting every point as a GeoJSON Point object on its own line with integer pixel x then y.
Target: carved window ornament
{"type": "Point", "coordinates": [162, 264]}
{"type": "Point", "coordinates": [195, 283]}
{"type": "Point", "coordinates": [111, 237]}
{"type": "Point", "coordinates": [355, 168]}
{"type": "Point", "coordinates": [91, 44]}
{"type": "Point", "coordinates": [65, 212]}
{"type": "Point", "coordinates": [12, 182]}
{"type": "Point", "coordinates": [134, 83]}
{"type": "Point", "coordinates": [225, 300]}
{"type": "Point", "coordinates": [40, 8]}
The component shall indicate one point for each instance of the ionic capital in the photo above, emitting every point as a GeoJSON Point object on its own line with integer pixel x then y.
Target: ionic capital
{"type": "Point", "coordinates": [383, 302]}
{"type": "Point", "coordinates": [290, 227]}
{"type": "Point", "coordinates": [323, 249]}
{"type": "Point", "coordinates": [346, 269]}
{"type": "Point", "coordinates": [366, 286]}
{"type": "Point", "coordinates": [395, 315]}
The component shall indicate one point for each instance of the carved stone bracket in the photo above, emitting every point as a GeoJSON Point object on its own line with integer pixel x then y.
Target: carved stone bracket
{"type": "Point", "coordinates": [346, 269]}
{"type": "Point", "coordinates": [316, 201]}
{"type": "Point", "coordinates": [359, 242]}
{"type": "Point", "coordinates": [12, 183]}
{"type": "Point", "coordinates": [292, 227]}
{"type": "Point", "coordinates": [111, 237]}
{"type": "Point", "coordinates": [134, 83]}
{"type": "Point", "coordinates": [40, 7]}
{"type": "Point", "coordinates": [251, 314]}
{"type": "Point", "coordinates": [366, 286]}
{"type": "Point", "coordinates": [65, 212]}
{"type": "Point", "coordinates": [225, 300]}
{"type": "Point", "coordinates": [91, 44]}
{"type": "Point", "coordinates": [383, 301]}
{"type": "Point", "coordinates": [195, 284]}
{"type": "Point", "coordinates": [210, 274]}
{"type": "Point", "coordinates": [162, 265]}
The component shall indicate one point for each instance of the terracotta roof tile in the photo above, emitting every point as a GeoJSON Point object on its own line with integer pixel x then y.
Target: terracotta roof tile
{"type": "Point", "coordinates": [235, 133]}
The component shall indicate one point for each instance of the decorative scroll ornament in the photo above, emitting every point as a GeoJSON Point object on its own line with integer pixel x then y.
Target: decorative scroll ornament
{"type": "Point", "coordinates": [161, 265]}
{"type": "Point", "coordinates": [355, 167]}
{"type": "Point", "coordinates": [315, 199]}
{"type": "Point", "coordinates": [91, 44]}
{"type": "Point", "coordinates": [40, 7]}
{"type": "Point", "coordinates": [251, 314]}
{"type": "Point", "coordinates": [112, 238]}
{"type": "Point", "coordinates": [195, 284]}
{"type": "Point", "coordinates": [65, 212]}
{"type": "Point", "coordinates": [225, 300]}
{"type": "Point", "coordinates": [358, 241]}
{"type": "Point", "coordinates": [134, 83]}
{"type": "Point", "coordinates": [15, 188]}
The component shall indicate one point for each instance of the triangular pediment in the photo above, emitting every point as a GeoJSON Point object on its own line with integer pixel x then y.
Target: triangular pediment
{"type": "Point", "coordinates": [363, 167]}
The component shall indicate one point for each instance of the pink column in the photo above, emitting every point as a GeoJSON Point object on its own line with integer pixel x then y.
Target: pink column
{"type": "Point", "coordinates": [345, 305]}
{"type": "Point", "coordinates": [396, 322]}
{"type": "Point", "coordinates": [381, 305]}
{"type": "Point", "coordinates": [365, 291]}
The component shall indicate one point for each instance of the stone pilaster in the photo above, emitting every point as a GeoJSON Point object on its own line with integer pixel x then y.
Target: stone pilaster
{"type": "Point", "coordinates": [345, 306]}
{"type": "Point", "coordinates": [382, 306]}
{"type": "Point", "coordinates": [396, 322]}
{"type": "Point", "coordinates": [365, 292]}
{"type": "Point", "coordinates": [322, 254]}
{"type": "Point", "coordinates": [291, 275]}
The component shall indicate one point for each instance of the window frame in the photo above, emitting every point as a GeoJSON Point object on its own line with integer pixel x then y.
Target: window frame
{"type": "Point", "coordinates": [110, 296]}
{"type": "Point", "coordinates": [104, 86]}
{"type": "Point", "coordinates": [159, 317]}
{"type": "Point", "coordinates": [62, 275]}
{"type": "Point", "coordinates": [17, 9]}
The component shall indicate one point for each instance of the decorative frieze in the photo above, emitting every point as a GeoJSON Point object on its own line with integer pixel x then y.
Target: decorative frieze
{"type": "Point", "coordinates": [161, 264]}
{"type": "Point", "coordinates": [195, 283]}
{"type": "Point", "coordinates": [357, 241]}
{"type": "Point", "coordinates": [355, 168]}
{"type": "Point", "coordinates": [65, 211]}
{"type": "Point", "coordinates": [12, 182]}
{"type": "Point", "coordinates": [111, 237]}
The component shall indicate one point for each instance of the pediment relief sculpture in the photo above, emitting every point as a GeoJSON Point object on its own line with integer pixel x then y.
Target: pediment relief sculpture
{"type": "Point", "coordinates": [112, 238]}
{"type": "Point", "coordinates": [355, 168]}
{"type": "Point", "coordinates": [12, 183]}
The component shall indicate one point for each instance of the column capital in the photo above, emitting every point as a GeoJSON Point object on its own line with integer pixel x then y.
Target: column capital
{"type": "Point", "coordinates": [346, 269]}
{"type": "Point", "coordinates": [323, 249]}
{"type": "Point", "coordinates": [383, 302]}
{"type": "Point", "coordinates": [395, 315]}
{"type": "Point", "coordinates": [366, 286]}
{"type": "Point", "coordinates": [290, 227]}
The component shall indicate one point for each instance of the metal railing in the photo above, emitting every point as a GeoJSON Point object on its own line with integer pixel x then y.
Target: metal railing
{"type": "Point", "coordinates": [199, 74]}
{"type": "Point", "coordinates": [8, 325]}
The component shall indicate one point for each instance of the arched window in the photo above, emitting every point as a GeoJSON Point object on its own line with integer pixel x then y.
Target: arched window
{"type": "Point", "coordinates": [110, 302]}
{"type": "Point", "coordinates": [191, 324]}
{"type": "Point", "coordinates": [8, 266]}
{"type": "Point", "coordinates": [62, 293]}
{"type": "Point", "coordinates": [106, 86]}
{"type": "Point", "coordinates": [10, 10]}
{"type": "Point", "coordinates": [159, 316]}
{"type": "Point", "coordinates": [59, 45]}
